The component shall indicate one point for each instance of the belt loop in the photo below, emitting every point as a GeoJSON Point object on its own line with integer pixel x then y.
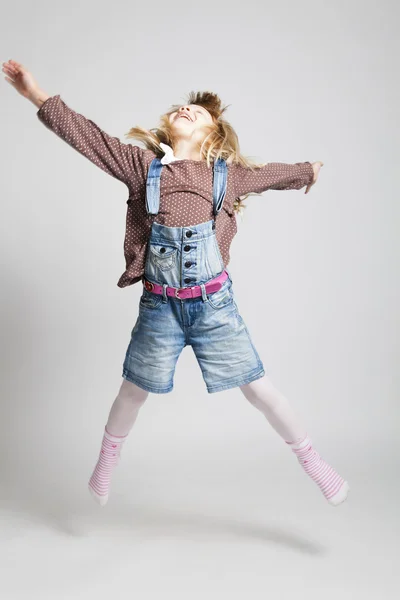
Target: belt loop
{"type": "Point", "coordinates": [165, 297]}
{"type": "Point", "coordinates": [203, 292]}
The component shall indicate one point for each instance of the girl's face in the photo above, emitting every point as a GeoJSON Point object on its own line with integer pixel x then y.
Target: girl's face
{"type": "Point", "coordinates": [190, 120]}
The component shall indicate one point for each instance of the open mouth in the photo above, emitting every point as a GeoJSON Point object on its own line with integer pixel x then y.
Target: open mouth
{"type": "Point", "coordinates": [184, 117]}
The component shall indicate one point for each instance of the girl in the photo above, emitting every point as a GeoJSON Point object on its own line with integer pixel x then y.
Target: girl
{"type": "Point", "coordinates": [185, 188]}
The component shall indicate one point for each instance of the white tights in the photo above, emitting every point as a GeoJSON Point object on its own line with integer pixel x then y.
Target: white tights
{"type": "Point", "coordinates": [261, 393]}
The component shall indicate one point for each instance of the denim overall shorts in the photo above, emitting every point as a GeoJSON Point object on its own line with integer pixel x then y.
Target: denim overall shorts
{"type": "Point", "coordinates": [210, 323]}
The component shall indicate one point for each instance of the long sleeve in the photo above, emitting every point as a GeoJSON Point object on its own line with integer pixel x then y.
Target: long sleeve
{"type": "Point", "coordinates": [122, 161]}
{"type": "Point", "coordinates": [272, 176]}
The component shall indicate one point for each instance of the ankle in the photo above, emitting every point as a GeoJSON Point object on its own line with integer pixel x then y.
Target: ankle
{"type": "Point", "coordinates": [113, 437]}
{"type": "Point", "coordinates": [300, 442]}
{"type": "Point", "coordinates": [110, 434]}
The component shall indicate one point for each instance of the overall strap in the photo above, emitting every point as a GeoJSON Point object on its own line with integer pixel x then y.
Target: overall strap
{"type": "Point", "coordinates": [153, 186]}
{"type": "Point", "coordinates": [220, 172]}
{"type": "Point", "coordinates": [219, 184]}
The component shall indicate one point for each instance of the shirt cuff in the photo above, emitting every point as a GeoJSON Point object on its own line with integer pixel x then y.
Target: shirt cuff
{"type": "Point", "coordinates": [46, 103]}
{"type": "Point", "coordinates": [310, 170]}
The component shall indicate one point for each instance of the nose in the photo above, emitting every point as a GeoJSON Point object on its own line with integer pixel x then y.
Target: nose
{"type": "Point", "coordinates": [185, 109]}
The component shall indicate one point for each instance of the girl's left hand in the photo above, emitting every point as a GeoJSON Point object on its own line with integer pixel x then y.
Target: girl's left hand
{"type": "Point", "coordinates": [316, 167]}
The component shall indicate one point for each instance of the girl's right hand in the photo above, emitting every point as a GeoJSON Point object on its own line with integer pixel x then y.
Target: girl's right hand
{"type": "Point", "coordinates": [316, 168]}
{"type": "Point", "coordinates": [21, 79]}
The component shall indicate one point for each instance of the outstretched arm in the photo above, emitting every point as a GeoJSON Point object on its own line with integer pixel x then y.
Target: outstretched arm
{"type": "Point", "coordinates": [122, 161]}
{"type": "Point", "coordinates": [274, 176]}
{"type": "Point", "coordinates": [107, 152]}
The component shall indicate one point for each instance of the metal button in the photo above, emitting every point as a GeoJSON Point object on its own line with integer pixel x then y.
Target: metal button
{"type": "Point", "coordinates": [189, 233]}
{"type": "Point", "coordinates": [186, 248]}
{"type": "Point", "coordinates": [188, 264]}
{"type": "Point", "coordinates": [187, 280]}
{"type": "Point", "coordinates": [162, 249]}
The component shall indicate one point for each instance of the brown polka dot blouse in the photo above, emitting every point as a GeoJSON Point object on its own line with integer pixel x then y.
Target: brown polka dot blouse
{"type": "Point", "coordinates": [185, 187]}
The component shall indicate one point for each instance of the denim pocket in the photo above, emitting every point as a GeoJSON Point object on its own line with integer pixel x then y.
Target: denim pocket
{"type": "Point", "coordinates": [223, 297]}
{"type": "Point", "coordinates": [163, 256]}
{"type": "Point", "coordinates": [150, 300]}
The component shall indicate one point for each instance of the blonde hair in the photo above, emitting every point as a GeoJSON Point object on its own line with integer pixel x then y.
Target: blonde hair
{"type": "Point", "coordinates": [220, 141]}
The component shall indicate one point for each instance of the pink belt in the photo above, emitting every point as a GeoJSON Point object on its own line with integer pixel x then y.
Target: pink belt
{"type": "Point", "coordinates": [187, 292]}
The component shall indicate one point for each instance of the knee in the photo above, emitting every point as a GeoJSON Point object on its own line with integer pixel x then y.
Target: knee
{"type": "Point", "coordinates": [262, 392]}
{"type": "Point", "coordinates": [133, 392]}
{"type": "Point", "coordinates": [255, 389]}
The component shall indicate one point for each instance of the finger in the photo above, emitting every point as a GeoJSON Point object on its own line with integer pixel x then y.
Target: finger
{"type": "Point", "coordinates": [8, 73]}
{"type": "Point", "coordinates": [17, 67]}
{"type": "Point", "coordinates": [11, 67]}
{"type": "Point", "coordinates": [15, 63]}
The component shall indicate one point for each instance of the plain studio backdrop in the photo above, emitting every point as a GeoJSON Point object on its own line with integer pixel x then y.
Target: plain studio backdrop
{"type": "Point", "coordinates": [208, 501]}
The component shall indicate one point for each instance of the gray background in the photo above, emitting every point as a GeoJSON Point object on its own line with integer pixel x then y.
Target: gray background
{"type": "Point", "coordinates": [208, 502]}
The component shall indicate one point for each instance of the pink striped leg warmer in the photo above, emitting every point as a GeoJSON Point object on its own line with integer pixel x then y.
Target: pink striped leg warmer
{"type": "Point", "coordinates": [332, 485]}
{"type": "Point", "coordinates": [99, 482]}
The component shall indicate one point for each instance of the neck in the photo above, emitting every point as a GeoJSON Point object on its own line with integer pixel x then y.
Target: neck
{"type": "Point", "coordinates": [185, 150]}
